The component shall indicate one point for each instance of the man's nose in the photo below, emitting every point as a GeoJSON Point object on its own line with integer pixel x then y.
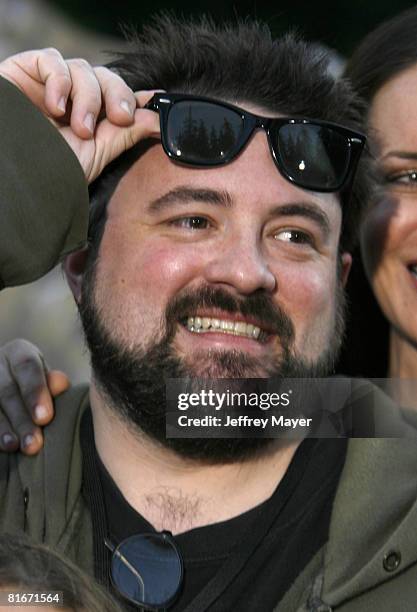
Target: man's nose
{"type": "Point", "coordinates": [241, 266]}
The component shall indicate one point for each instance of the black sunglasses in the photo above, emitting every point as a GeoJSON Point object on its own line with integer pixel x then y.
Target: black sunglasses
{"type": "Point", "coordinates": [147, 569]}
{"type": "Point", "coordinates": [312, 154]}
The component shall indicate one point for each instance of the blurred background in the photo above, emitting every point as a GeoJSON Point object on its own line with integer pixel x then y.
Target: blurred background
{"type": "Point", "coordinates": [43, 312]}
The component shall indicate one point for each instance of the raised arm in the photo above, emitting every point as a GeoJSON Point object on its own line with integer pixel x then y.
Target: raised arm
{"type": "Point", "coordinates": [62, 121]}
{"type": "Point", "coordinates": [46, 104]}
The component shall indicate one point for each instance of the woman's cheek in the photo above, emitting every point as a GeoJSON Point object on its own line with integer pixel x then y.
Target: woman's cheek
{"type": "Point", "coordinates": [379, 234]}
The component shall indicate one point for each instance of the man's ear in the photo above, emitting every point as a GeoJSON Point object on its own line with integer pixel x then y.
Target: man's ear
{"type": "Point", "coordinates": [74, 267]}
{"type": "Point", "coordinates": [346, 264]}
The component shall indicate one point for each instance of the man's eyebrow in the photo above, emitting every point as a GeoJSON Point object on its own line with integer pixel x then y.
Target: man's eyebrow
{"type": "Point", "coordinates": [401, 154]}
{"type": "Point", "coordinates": [185, 195]}
{"type": "Point", "coordinates": [304, 210]}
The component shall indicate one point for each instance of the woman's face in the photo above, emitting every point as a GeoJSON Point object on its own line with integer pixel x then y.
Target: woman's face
{"type": "Point", "coordinates": [389, 237]}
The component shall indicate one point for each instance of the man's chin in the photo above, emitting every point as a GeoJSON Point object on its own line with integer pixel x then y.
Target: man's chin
{"type": "Point", "coordinates": [131, 381]}
{"type": "Point", "coordinates": [227, 364]}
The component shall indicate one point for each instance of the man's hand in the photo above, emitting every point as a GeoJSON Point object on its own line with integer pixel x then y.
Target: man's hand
{"type": "Point", "coordinates": [93, 108]}
{"type": "Point", "coordinates": [26, 391]}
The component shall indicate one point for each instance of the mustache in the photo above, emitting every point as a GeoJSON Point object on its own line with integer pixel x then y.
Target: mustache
{"type": "Point", "coordinates": [257, 305]}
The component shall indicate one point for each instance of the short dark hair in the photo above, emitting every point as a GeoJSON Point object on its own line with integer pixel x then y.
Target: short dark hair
{"type": "Point", "coordinates": [384, 53]}
{"type": "Point", "coordinates": [236, 63]}
{"type": "Point", "coordinates": [29, 566]}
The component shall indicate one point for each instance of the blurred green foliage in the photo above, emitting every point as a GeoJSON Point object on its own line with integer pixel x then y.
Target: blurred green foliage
{"type": "Point", "coordinates": [341, 25]}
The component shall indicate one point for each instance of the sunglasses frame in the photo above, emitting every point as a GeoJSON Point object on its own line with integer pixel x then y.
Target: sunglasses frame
{"type": "Point", "coordinates": [163, 102]}
{"type": "Point", "coordinates": [115, 552]}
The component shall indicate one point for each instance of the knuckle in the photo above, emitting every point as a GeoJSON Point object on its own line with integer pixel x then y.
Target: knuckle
{"type": "Point", "coordinates": [18, 347]}
{"type": "Point", "coordinates": [105, 72]}
{"type": "Point", "coordinates": [79, 63]}
{"type": "Point", "coordinates": [25, 365]}
{"type": "Point", "coordinates": [52, 52]}
{"type": "Point", "coordinates": [16, 343]}
{"type": "Point", "coordinates": [111, 78]}
{"type": "Point", "coordinates": [129, 140]}
{"type": "Point", "coordinates": [66, 77]}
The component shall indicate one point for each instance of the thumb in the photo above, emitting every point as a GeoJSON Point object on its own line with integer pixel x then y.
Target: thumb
{"type": "Point", "coordinates": [112, 140]}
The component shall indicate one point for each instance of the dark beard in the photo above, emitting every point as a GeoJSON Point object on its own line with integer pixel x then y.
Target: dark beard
{"type": "Point", "coordinates": [132, 382]}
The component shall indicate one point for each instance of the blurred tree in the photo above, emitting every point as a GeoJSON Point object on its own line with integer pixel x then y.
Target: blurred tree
{"type": "Point", "coordinates": [340, 25]}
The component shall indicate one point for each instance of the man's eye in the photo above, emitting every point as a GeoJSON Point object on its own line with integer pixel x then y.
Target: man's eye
{"type": "Point", "coordinates": [193, 223]}
{"type": "Point", "coordinates": [293, 235]}
{"type": "Point", "coordinates": [404, 178]}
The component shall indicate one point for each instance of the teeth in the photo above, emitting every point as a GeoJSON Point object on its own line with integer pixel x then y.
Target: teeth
{"type": "Point", "coordinates": [238, 328]}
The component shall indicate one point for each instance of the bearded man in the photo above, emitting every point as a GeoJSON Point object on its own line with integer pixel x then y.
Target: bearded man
{"type": "Point", "coordinates": [219, 250]}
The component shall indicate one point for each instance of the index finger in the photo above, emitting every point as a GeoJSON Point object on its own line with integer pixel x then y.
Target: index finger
{"type": "Point", "coordinates": [29, 374]}
{"type": "Point", "coordinates": [118, 98]}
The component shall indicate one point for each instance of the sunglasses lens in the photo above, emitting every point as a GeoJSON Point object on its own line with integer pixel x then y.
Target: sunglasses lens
{"type": "Point", "coordinates": [316, 157]}
{"type": "Point", "coordinates": [147, 569]}
{"type": "Point", "coordinates": [203, 133]}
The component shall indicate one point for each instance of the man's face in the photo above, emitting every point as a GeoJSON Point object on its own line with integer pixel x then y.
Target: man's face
{"type": "Point", "coordinates": [235, 244]}
{"type": "Point", "coordinates": [172, 230]}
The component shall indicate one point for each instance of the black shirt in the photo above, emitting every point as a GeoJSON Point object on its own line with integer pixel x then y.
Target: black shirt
{"type": "Point", "coordinates": [246, 563]}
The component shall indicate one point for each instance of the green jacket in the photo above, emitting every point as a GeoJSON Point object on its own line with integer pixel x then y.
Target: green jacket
{"type": "Point", "coordinates": [368, 565]}
{"type": "Point", "coordinates": [42, 186]}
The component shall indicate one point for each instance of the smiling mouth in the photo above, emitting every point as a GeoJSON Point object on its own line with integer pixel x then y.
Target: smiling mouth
{"type": "Point", "coordinates": [207, 325]}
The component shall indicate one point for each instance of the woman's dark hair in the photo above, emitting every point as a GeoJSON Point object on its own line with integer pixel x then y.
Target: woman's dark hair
{"type": "Point", "coordinates": [26, 565]}
{"type": "Point", "coordinates": [384, 53]}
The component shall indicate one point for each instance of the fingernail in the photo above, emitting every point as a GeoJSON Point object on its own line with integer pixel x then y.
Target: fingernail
{"type": "Point", "coordinates": [8, 439]}
{"type": "Point", "coordinates": [62, 104]}
{"type": "Point", "coordinates": [41, 412]}
{"type": "Point", "coordinates": [28, 440]}
{"type": "Point", "coordinates": [89, 122]}
{"type": "Point", "coordinates": [126, 107]}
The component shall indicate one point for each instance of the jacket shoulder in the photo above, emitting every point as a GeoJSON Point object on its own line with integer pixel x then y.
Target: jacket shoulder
{"type": "Point", "coordinates": [69, 408]}
{"type": "Point", "coordinates": [41, 493]}
{"type": "Point", "coordinates": [43, 192]}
